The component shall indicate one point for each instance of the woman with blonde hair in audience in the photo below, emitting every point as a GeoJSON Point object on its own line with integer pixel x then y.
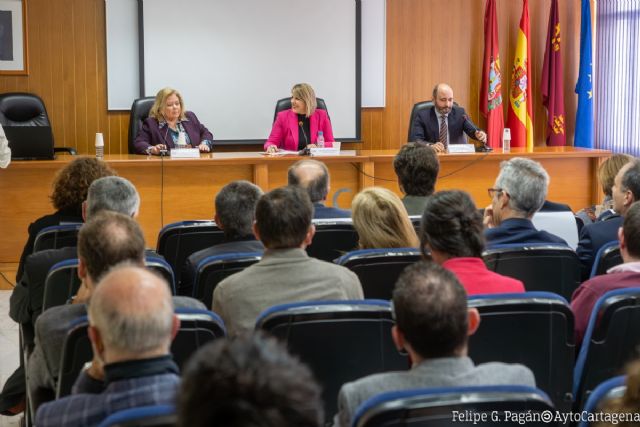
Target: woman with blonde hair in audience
{"type": "Point", "coordinates": [381, 220]}
{"type": "Point", "coordinates": [629, 403]}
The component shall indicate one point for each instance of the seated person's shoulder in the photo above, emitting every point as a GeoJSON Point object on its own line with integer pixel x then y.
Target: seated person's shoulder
{"type": "Point", "coordinates": [188, 302]}
{"type": "Point", "coordinates": [506, 373]}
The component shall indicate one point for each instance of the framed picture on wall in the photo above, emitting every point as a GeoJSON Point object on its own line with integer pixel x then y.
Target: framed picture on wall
{"type": "Point", "coordinates": [13, 37]}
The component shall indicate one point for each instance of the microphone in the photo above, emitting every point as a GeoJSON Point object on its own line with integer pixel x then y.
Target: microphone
{"type": "Point", "coordinates": [306, 141]}
{"type": "Point", "coordinates": [484, 147]}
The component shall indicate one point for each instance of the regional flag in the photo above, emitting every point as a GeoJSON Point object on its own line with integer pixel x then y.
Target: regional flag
{"type": "Point", "coordinates": [520, 113]}
{"type": "Point", "coordinates": [583, 136]}
{"type": "Point", "coordinates": [491, 86]}
{"type": "Point", "coordinates": [552, 81]}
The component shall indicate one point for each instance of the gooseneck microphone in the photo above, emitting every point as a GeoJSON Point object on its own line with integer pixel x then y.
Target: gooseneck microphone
{"type": "Point", "coordinates": [306, 141]}
{"type": "Point", "coordinates": [484, 147]}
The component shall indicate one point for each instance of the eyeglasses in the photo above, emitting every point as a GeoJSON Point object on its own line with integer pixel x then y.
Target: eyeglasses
{"type": "Point", "coordinates": [493, 191]}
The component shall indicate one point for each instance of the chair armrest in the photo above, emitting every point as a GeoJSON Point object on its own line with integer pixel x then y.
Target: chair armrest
{"type": "Point", "coordinates": [69, 150]}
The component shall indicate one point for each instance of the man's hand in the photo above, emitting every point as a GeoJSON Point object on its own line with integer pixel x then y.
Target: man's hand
{"type": "Point", "coordinates": [439, 147]}
{"type": "Point", "coordinates": [487, 221]}
{"type": "Point", "coordinates": [481, 136]}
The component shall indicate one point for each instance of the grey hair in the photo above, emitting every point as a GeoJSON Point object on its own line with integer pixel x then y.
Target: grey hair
{"type": "Point", "coordinates": [112, 193]}
{"type": "Point", "coordinates": [235, 206]}
{"type": "Point", "coordinates": [132, 331]}
{"type": "Point", "coordinates": [526, 181]}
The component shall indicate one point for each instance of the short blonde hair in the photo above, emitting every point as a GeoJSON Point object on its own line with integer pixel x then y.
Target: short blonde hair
{"type": "Point", "coordinates": [381, 220]}
{"type": "Point", "coordinates": [609, 169]}
{"type": "Point", "coordinates": [305, 92]}
{"type": "Point", "coordinates": [161, 100]}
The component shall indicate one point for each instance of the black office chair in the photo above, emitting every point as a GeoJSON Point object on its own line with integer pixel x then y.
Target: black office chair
{"type": "Point", "coordinates": [456, 406]}
{"type": "Point", "coordinates": [333, 238]}
{"type": "Point", "coordinates": [56, 237]}
{"type": "Point", "coordinates": [341, 341]}
{"type": "Point", "coordinates": [541, 267]}
{"type": "Point", "coordinates": [144, 416]}
{"type": "Point", "coordinates": [608, 256]}
{"type": "Point", "coordinates": [532, 328]}
{"type": "Point", "coordinates": [378, 269]}
{"type": "Point", "coordinates": [285, 104]}
{"type": "Point", "coordinates": [26, 109]}
{"type": "Point", "coordinates": [610, 341]}
{"type": "Point", "coordinates": [139, 111]}
{"type": "Point", "coordinates": [214, 269]}
{"type": "Point", "coordinates": [197, 327]}
{"type": "Point", "coordinates": [178, 240]}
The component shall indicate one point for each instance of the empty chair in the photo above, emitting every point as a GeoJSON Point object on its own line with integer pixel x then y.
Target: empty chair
{"type": "Point", "coordinates": [214, 269]}
{"type": "Point", "coordinates": [608, 256]}
{"type": "Point", "coordinates": [197, 327]}
{"type": "Point", "coordinates": [285, 104]}
{"type": "Point", "coordinates": [61, 283]}
{"type": "Point", "coordinates": [435, 407]}
{"type": "Point", "coordinates": [333, 238]}
{"type": "Point", "coordinates": [609, 389]}
{"type": "Point", "coordinates": [541, 267]}
{"type": "Point", "coordinates": [139, 111]}
{"type": "Point", "coordinates": [378, 269]}
{"type": "Point", "coordinates": [340, 341]}
{"type": "Point", "coordinates": [145, 416]}
{"type": "Point", "coordinates": [178, 240]}
{"type": "Point", "coordinates": [57, 236]}
{"type": "Point", "coordinates": [610, 341]}
{"type": "Point", "coordinates": [533, 328]}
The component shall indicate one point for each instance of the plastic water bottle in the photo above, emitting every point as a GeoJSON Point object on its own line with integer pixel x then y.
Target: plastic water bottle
{"type": "Point", "coordinates": [99, 146]}
{"type": "Point", "coordinates": [320, 140]}
{"type": "Point", "coordinates": [506, 140]}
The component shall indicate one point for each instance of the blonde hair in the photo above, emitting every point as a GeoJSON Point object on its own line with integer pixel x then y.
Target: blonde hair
{"type": "Point", "coordinates": [381, 220]}
{"type": "Point", "coordinates": [630, 401]}
{"type": "Point", "coordinates": [609, 169]}
{"type": "Point", "coordinates": [161, 100]}
{"type": "Point", "coordinates": [305, 92]}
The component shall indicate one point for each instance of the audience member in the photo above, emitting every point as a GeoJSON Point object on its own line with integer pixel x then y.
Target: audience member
{"type": "Point", "coordinates": [248, 381]}
{"type": "Point", "coordinates": [313, 176]}
{"type": "Point", "coordinates": [286, 273]}
{"type": "Point", "coordinates": [235, 207]}
{"type": "Point", "coordinates": [453, 234]}
{"type": "Point", "coordinates": [381, 220]}
{"type": "Point", "coordinates": [626, 275]}
{"type": "Point", "coordinates": [432, 325]}
{"type": "Point", "coordinates": [625, 191]}
{"type": "Point", "coordinates": [417, 167]}
{"type": "Point", "coordinates": [628, 405]}
{"type": "Point", "coordinates": [70, 187]}
{"type": "Point", "coordinates": [131, 326]}
{"type": "Point", "coordinates": [518, 193]}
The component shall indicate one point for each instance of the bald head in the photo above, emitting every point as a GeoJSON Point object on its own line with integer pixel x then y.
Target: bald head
{"type": "Point", "coordinates": [311, 175]}
{"type": "Point", "coordinates": [133, 311]}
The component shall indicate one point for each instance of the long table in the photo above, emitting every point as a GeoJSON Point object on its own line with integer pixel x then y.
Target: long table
{"type": "Point", "coordinates": [179, 189]}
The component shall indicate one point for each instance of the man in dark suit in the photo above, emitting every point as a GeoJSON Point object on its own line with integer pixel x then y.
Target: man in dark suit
{"type": "Point", "coordinates": [625, 191]}
{"type": "Point", "coordinates": [313, 176]}
{"type": "Point", "coordinates": [444, 123]}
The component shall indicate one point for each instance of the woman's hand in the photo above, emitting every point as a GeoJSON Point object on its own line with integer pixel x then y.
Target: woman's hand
{"type": "Point", "coordinates": [155, 149]}
{"type": "Point", "coordinates": [272, 149]}
{"type": "Point", "coordinates": [204, 148]}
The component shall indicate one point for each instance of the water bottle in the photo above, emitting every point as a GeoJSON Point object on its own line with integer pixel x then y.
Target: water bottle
{"type": "Point", "coordinates": [320, 140]}
{"type": "Point", "coordinates": [506, 140]}
{"type": "Point", "coordinates": [99, 146]}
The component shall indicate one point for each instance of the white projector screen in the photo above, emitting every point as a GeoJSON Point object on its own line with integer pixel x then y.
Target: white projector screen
{"type": "Point", "coordinates": [232, 59]}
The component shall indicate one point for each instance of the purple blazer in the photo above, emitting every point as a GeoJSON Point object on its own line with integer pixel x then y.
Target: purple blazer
{"type": "Point", "coordinates": [284, 133]}
{"type": "Point", "coordinates": [151, 134]}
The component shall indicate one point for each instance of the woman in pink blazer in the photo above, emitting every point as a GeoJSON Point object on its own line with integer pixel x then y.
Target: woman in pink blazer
{"type": "Point", "coordinates": [298, 127]}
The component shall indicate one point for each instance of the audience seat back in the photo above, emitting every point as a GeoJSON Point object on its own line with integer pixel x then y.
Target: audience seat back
{"type": "Point", "coordinates": [57, 236]}
{"type": "Point", "coordinates": [605, 391]}
{"type": "Point", "coordinates": [608, 256]}
{"type": "Point", "coordinates": [333, 238]}
{"type": "Point", "coordinates": [197, 327]}
{"type": "Point", "coordinates": [340, 341]}
{"type": "Point", "coordinates": [61, 283]}
{"type": "Point", "coordinates": [534, 329]}
{"type": "Point", "coordinates": [285, 104]}
{"type": "Point", "coordinates": [541, 267]}
{"type": "Point", "coordinates": [76, 351]}
{"type": "Point", "coordinates": [378, 269]}
{"type": "Point", "coordinates": [144, 416]}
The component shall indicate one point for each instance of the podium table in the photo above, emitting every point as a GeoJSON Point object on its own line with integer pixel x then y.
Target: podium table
{"type": "Point", "coordinates": [180, 189]}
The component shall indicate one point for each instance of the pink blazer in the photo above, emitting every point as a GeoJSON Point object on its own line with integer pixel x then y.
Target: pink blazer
{"type": "Point", "coordinates": [284, 133]}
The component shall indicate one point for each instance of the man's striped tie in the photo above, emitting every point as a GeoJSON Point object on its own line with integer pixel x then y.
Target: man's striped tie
{"type": "Point", "coordinates": [443, 131]}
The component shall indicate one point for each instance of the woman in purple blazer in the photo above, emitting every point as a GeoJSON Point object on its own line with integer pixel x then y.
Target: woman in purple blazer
{"type": "Point", "coordinates": [298, 127]}
{"type": "Point", "coordinates": [167, 119]}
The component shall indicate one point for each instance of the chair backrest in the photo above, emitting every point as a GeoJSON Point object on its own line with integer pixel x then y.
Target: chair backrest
{"type": "Point", "coordinates": [340, 341]}
{"type": "Point", "coordinates": [178, 240]}
{"type": "Point", "coordinates": [610, 341]}
{"type": "Point", "coordinates": [139, 111]}
{"type": "Point", "coordinates": [417, 107]}
{"type": "Point", "coordinates": [214, 269]}
{"type": "Point", "coordinates": [608, 256]}
{"type": "Point", "coordinates": [23, 109]}
{"type": "Point", "coordinates": [162, 267]}
{"type": "Point", "coordinates": [541, 267]}
{"type": "Point", "coordinates": [57, 236]}
{"type": "Point", "coordinates": [605, 391]}
{"type": "Point", "coordinates": [76, 351]}
{"type": "Point", "coordinates": [61, 283]}
{"type": "Point", "coordinates": [378, 269]}
{"type": "Point", "coordinates": [285, 104]}
{"type": "Point", "coordinates": [533, 328]}
{"type": "Point", "coordinates": [333, 238]}
{"type": "Point", "coordinates": [561, 223]}
{"type": "Point", "coordinates": [144, 416]}
{"type": "Point", "coordinates": [464, 406]}
{"type": "Point", "coordinates": [197, 327]}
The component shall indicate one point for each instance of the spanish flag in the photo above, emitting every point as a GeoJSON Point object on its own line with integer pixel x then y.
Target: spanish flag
{"type": "Point", "coordinates": [520, 114]}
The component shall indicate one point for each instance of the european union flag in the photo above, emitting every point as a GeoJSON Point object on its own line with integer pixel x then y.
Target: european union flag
{"type": "Point", "coordinates": [583, 136]}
